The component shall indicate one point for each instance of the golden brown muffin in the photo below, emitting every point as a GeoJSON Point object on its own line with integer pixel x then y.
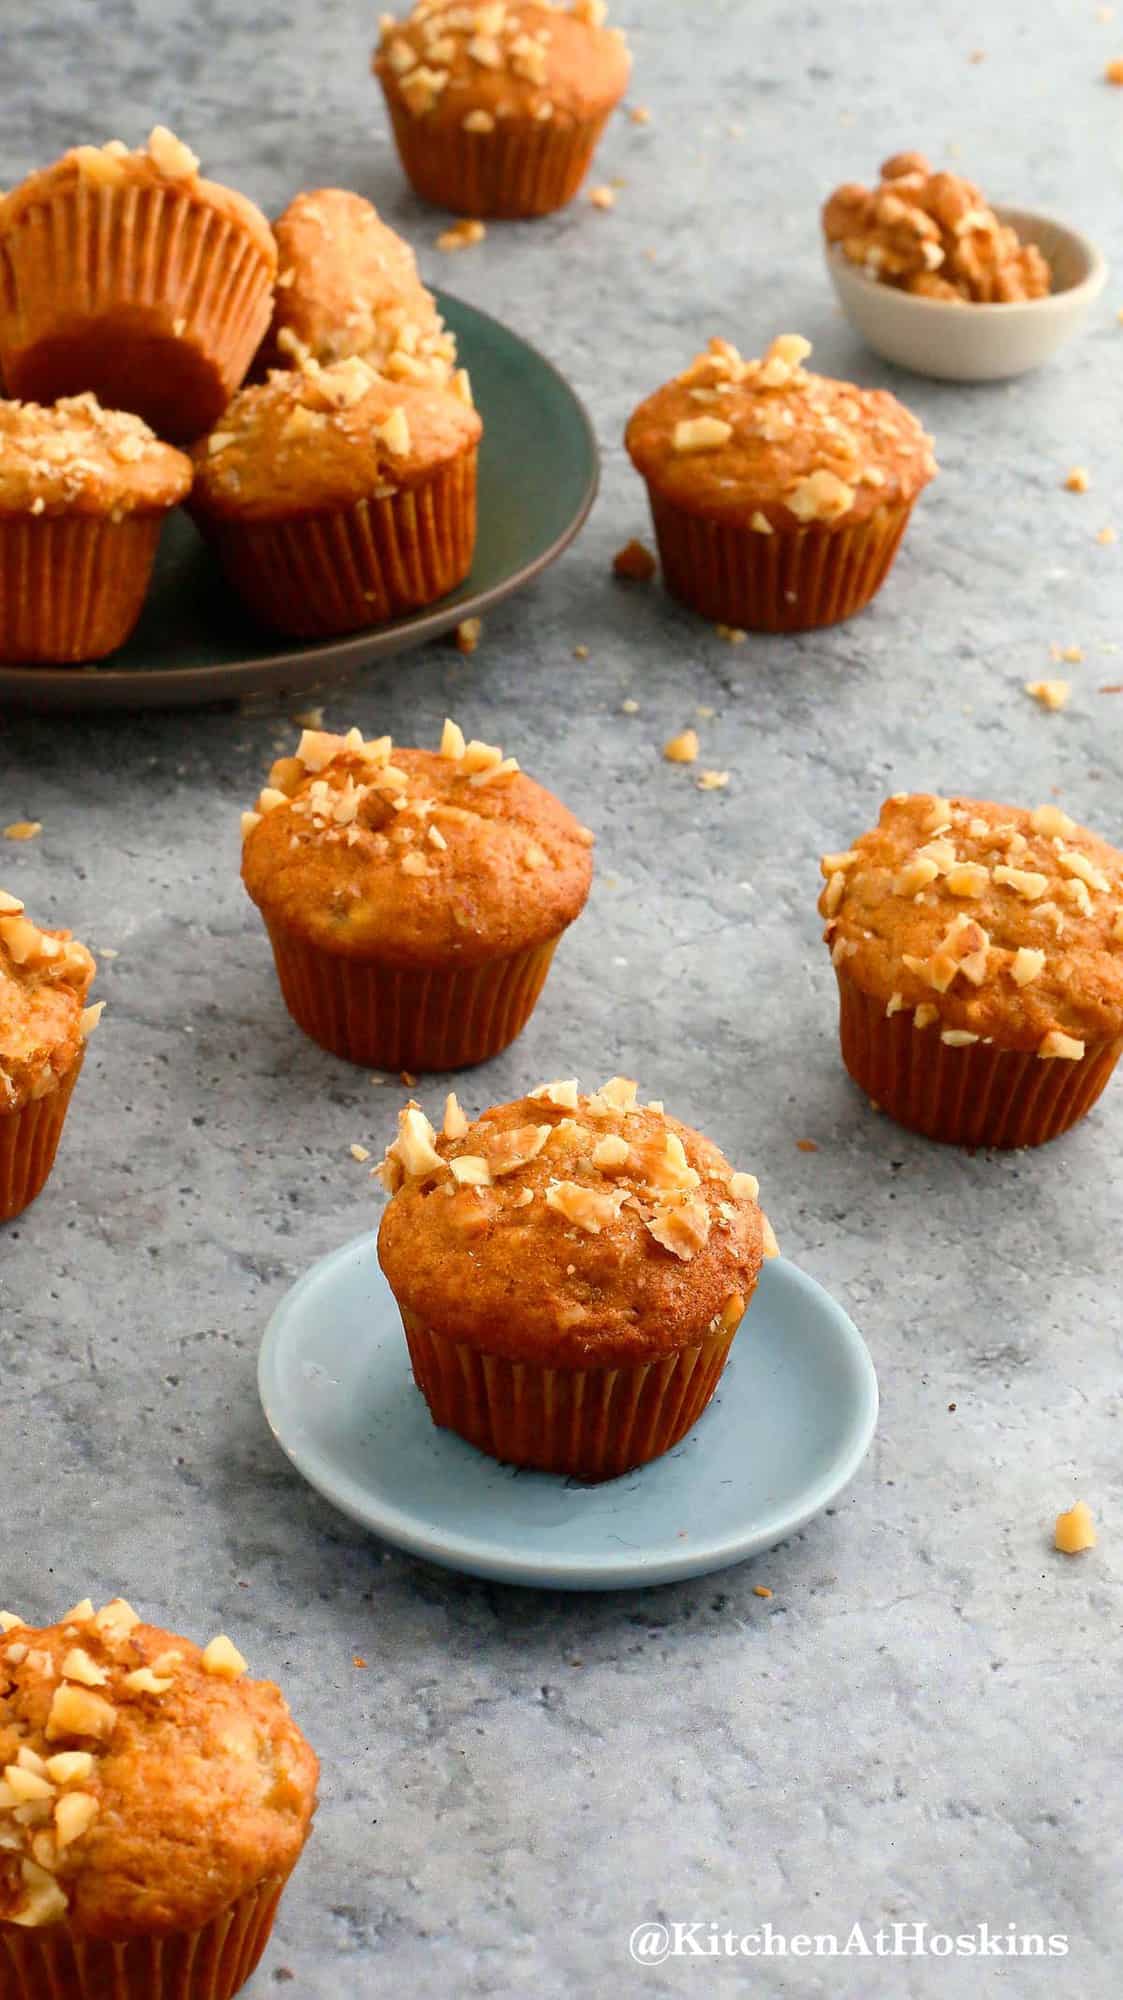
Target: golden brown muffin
{"type": "Point", "coordinates": [336, 499]}
{"type": "Point", "coordinates": [779, 497]}
{"type": "Point", "coordinates": [414, 898]}
{"type": "Point", "coordinates": [497, 109]}
{"type": "Point", "coordinates": [45, 1023]}
{"type": "Point", "coordinates": [153, 1803]}
{"type": "Point", "coordinates": [571, 1271]}
{"type": "Point", "coordinates": [933, 234]}
{"type": "Point", "coordinates": [979, 956]}
{"type": "Point", "coordinates": [347, 284]}
{"type": "Point", "coordinates": [129, 275]}
{"type": "Point", "coordinates": [83, 496]}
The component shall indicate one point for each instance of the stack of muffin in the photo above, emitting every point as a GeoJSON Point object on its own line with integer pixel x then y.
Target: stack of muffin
{"type": "Point", "coordinates": [338, 491]}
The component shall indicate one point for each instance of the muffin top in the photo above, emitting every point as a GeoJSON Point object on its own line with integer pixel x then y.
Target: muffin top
{"type": "Point", "coordinates": [994, 923]}
{"type": "Point", "coordinates": [476, 65]}
{"type": "Point", "coordinates": [145, 1784]}
{"type": "Point", "coordinates": [933, 234]}
{"type": "Point", "coordinates": [730, 436]}
{"type": "Point", "coordinates": [164, 162]}
{"type": "Point", "coordinates": [347, 284]}
{"type": "Point", "coordinates": [421, 857]}
{"type": "Point", "coordinates": [314, 438]}
{"type": "Point", "coordinates": [44, 1020]}
{"type": "Point", "coordinates": [569, 1228]}
{"type": "Point", "coordinates": [73, 457]}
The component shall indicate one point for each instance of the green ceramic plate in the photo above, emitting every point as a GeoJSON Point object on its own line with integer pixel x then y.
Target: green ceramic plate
{"type": "Point", "coordinates": [194, 643]}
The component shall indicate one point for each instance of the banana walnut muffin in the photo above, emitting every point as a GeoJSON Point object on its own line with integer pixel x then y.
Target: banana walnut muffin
{"type": "Point", "coordinates": [933, 234]}
{"type": "Point", "coordinates": [153, 1803]}
{"type": "Point", "coordinates": [84, 493]}
{"type": "Point", "coordinates": [779, 497]}
{"type": "Point", "coordinates": [347, 284]}
{"type": "Point", "coordinates": [414, 898]}
{"type": "Point", "coordinates": [45, 1023]}
{"type": "Point", "coordinates": [571, 1270]}
{"type": "Point", "coordinates": [497, 108]}
{"type": "Point", "coordinates": [979, 955]}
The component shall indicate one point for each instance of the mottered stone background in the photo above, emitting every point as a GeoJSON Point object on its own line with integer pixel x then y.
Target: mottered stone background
{"type": "Point", "coordinates": [923, 1720]}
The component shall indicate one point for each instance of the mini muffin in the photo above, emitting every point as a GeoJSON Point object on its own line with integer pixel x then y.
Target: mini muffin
{"type": "Point", "coordinates": [347, 284]}
{"type": "Point", "coordinates": [571, 1272]}
{"type": "Point", "coordinates": [127, 274]}
{"type": "Point", "coordinates": [413, 898]}
{"type": "Point", "coordinates": [153, 1803]}
{"type": "Point", "coordinates": [933, 234]}
{"type": "Point", "coordinates": [497, 109]}
{"type": "Point", "coordinates": [335, 499]}
{"type": "Point", "coordinates": [779, 498]}
{"type": "Point", "coordinates": [83, 496]}
{"type": "Point", "coordinates": [979, 956]}
{"type": "Point", "coordinates": [45, 977]}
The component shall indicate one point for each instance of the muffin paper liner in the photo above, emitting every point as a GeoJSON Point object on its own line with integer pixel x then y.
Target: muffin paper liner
{"type": "Point", "coordinates": [214, 1963]}
{"type": "Point", "coordinates": [72, 586]}
{"type": "Point", "coordinates": [789, 581]}
{"type": "Point", "coordinates": [28, 1143]}
{"type": "Point", "coordinates": [318, 574]}
{"type": "Point", "coordinates": [972, 1096]}
{"type": "Point", "coordinates": [391, 1017]}
{"type": "Point", "coordinates": [524, 167]}
{"type": "Point", "coordinates": [145, 294]}
{"type": "Point", "coordinates": [590, 1423]}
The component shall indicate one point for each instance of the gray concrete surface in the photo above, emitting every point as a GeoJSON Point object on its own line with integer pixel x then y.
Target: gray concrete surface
{"type": "Point", "coordinates": [923, 1721]}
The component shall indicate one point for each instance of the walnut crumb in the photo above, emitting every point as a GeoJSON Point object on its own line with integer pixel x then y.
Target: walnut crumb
{"type": "Point", "coordinates": [639, 114]}
{"type": "Point", "coordinates": [1075, 1529]}
{"type": "Point", "coordinates": [1052, 694]}
{"type": "Point", "coordinates": [359, 1153]}
{"type": "Point", "coordinates": [1077, 481]}
{"type": "Point", "coordinates": [23, 829]}
{"type": "Point", "coordinates": [732, 634]}
{"type": "Point", "coordinates": [462, 235]}
{"type": "Point", "coordinates": [1113, 73]}
{"type": "Point", "coordinates": [467, 634]}
{"type": "Point", "coordinates": [712, 781]}
{"type": "Point", "coordinates": [603, 197]}
{"type": "Point", "coordinates": [683, 748]}
{"type": "Point", "coordinates": [634, 563]}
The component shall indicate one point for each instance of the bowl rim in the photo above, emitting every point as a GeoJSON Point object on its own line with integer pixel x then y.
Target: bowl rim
{"type": "Point", "coordinates": [1093, 281]}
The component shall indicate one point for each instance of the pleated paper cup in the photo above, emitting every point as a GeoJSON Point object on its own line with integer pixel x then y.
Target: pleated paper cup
{"type": "Point", "coordinates": [72, 586]}
{"type": "Point", "coordinates": [214, 1963]}
{"type": "Point", "coordinates": [28, 1143]}
{"type": "Point", "coordinates": [976, 1095]}
{"type": "Point", "coordinates": [792, 580]}
{"type": "Point", "coordinates": [524, 167]}
{"type": "Point", "coordinates": [589, 1423]}
{"type": "Point", "coordinates": [147, 294]}
{"type": "Point", "coordinates": [314, 575]}
{"type": "Point", "coordinates": [387, 1016]}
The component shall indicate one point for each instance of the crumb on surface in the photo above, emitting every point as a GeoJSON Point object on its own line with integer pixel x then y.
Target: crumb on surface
{"type": "Point", "coordinates": [580, 652]}
{"type": "Point", "coordinates": [23, 829]}
{"type": "Point", "coordinates": [761, 1590]}
{"type": "Point", "coordinates": [681, 749]}
{"type": "Point", "coordinates": [712, 781]}
{"type": "Point", "coordinates": [732, 634]}
{"type": "Point", "coordinates": [308, 718]}
{"type": "Point", "coordinates": [1106, 536]}
{"type": "Point", "coordinates": [357, 1660]}
{"type": "Point", "coordinates": [407, 1079]}
{"type": "Point", "coordinates": [634, 563]}
{"type": "Point", "coordinates": [1051, 694]}
{"type": "Point", "coordinates": [359, 1153]}
{"type": "Point", "coordinates": [1075, 1530]}
{"type": "Point", "coordinates": [807, 1145]}
{"type": "Point", "coordinates": [603, 196]}
{"type": "Point", "coordinates": [1113, 73]}
{"type": "Point", "coordinates": [1077, 480]}
{"type": "Point", "coordinates": [640, 114]}
{"type": "Point", "coordinates": [629, 706]}
{"type": "Point", "coordinates": [462, 235]}
{"type": "Point", "coordinates": [467, 634]}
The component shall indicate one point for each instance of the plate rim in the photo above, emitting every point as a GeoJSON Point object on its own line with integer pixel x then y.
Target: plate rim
{"type": "Point", "coordinates": [467, 1556]}
{"type": "Point", "coordinates": [83, 689]}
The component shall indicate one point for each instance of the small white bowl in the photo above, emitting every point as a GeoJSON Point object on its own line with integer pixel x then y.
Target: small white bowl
{"type": "Point", "coordinates": [977, 343]}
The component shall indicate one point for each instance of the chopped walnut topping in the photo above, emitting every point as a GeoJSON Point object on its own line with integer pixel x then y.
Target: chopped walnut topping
{"type": "Point", "coordinates": [591, 1209]}
{"type": "Point", "coordinates": [471, 1170]}
{"type": "Point", "coordinates": [681, 1224]}
{"type": "Point", "coordinates": [957, 1038]}
{"type": "Point", "coordinates": [683, 748]}
{"type": "Point", "coordinates": [1056, 1043]}
{"type": "Point", "coordinates": [455, 1122]}
{"type": "Point", "coordinates": [562, 1094]}
{"type": "Point", "coordinates": [820, 496]}
{"type": "Point", "coordinates": [926, 1015]}
{"type": "Point", "coordinates": [1025, 882]}
{"type": "Point", "coordinates": [1072, 862]}
{"type": "Point", "coordinates": [744, 1187]}
{"type": "Point", "coordinates": [611, 1152]}
{"type": "Point", "coordinates": [74, 1816]}
{"type": "Point", "coordinates": [116, 1619]}
{"type": "Point", "coordinates": [1027, 965]}
{"type": "Point", "coordinates": [478, 121]}
{"type": "Point", "coordinates": [143, 1680]}
{"type": "Point", "coordinates": [968, 878]}
{"type": "Point", "coordinates": [170, 155]}
{"type": "Point", "coordinates": [1049, 820]}
{"type": "Point", "coordinates": [78, 1666]}
{"type": "Point", "coordinates": [69, 1767]}
{"type": "Point", "coordinates": [76, 1712]}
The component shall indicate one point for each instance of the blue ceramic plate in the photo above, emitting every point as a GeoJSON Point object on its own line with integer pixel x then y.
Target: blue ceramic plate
{"type": "Point", "coordinates": [791, 1422]}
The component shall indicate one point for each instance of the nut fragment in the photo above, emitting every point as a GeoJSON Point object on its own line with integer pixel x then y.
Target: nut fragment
{"type": "Point", "coordinates": [222, 1659]}
{"type": "Point", "coordinates": [462, 235]}
{"type": "Point", "coordinates": [1027, 965]}
{"type": "Point", "coordinates": [634, 562]}
{"type": "Point", "coordinates": [1057, 1044]}
{"type": "Point", "coordinates": [78, 1666]}
{"type": "Point", "coordinates": [683, 748]}
{"type": "Point", "coordinates": [116, 1619]}
{"type": "Point", "coordinates": [1051, 694]}
{"type": "Point", "coordinates": [75, 1711]}
{"type": "Point", "coordinates": [701, 434]}
{"type": "Point", "coordinates": [1075, 1529]}
{"type": "Point", "coordinates": [75, 1813]}
{"type": "Point", "coordinates": [591, 1209]}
